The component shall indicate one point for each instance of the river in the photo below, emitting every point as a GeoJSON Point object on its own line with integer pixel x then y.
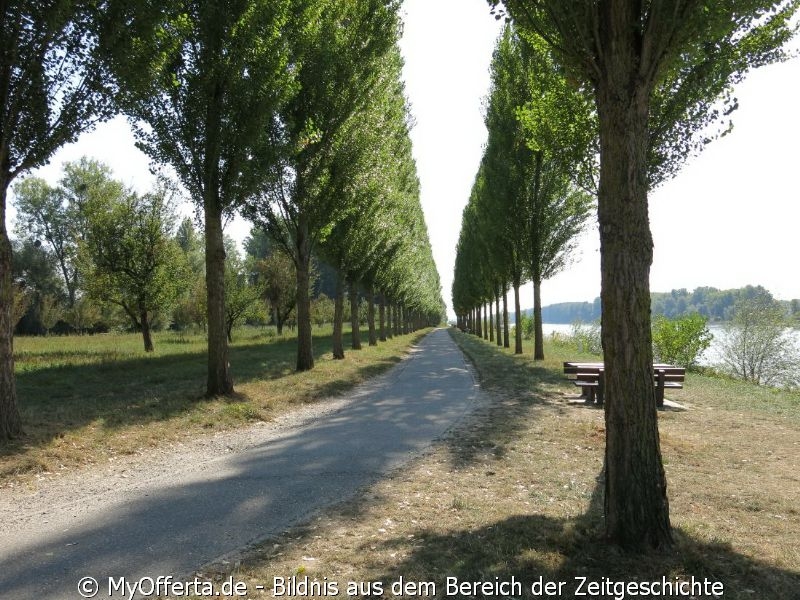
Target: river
{"type": "Point", "coordinates": [712, 356]}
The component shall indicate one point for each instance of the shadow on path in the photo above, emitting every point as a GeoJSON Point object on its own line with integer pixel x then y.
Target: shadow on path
{"type": "Point", "coordinates": [189, 517]}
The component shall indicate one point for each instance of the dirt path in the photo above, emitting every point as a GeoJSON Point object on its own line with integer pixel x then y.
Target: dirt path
{"type": "Point", "coordinates": [169, 512]}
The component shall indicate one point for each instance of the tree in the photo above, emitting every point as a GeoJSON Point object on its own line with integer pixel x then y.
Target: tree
{"type": "Point", "coordinates": [51, 90]}
{"type": "Point", "coordinates": [758, 346]}
{"type": "Point", "coordinates": [36, 268]}
{"type": "Point", "coordinates": [56, 216]}
{"type": "Point", "coordinates": [655, 70]}
{"type": "Point", "coordinates": [680, 341]}
{"type": "Point", "coordinates": [202, 81]}
{"type": "Point", "coordinates": [242, 291]}
{"type": "Point", "coordinates": [322, 310]}
{"type": "Point", "coordinates": [338, 63]}
{"type": "Point", "coordinates": [130, 259]}
{"type": "Point", "coordinates": [278, 282]}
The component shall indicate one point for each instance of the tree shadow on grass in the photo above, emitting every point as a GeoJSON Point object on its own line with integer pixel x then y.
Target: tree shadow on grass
{"type": "Point", "coordinates": [522, 390]}
{"type": "Point", "coordinates": [534, 546]}
{"type": "Point", "coordinates": [118, 393]}
{"type": "Point", "coordinates": [537, 548]}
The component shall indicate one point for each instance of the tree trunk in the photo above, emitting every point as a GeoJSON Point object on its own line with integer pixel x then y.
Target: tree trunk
{"type": "Point", "coordinates": [497, 316]}
{"type": "Point", "coordinates": [144, 323]}
{"type": "Point", "coordinates": [338, 318]}
{"type": "Point", "coordinates": [538, 338]}
{"type": "Point", "coordinates": [506, 343]}
{"type": "Point", "coordinates": [220, 382]}
{"type": "Point", "coordinates": [491, 322]}
{"type": "Point", "coordinates": [518, 322]}
{"type": "Point", "coordinates": [485, 322]}
{"type": "Point", "coordinates": [10, 421]}
{"type": "Point", "coordinates": [636, 505]}
{"type": "Point", "coordinates": [397, 319]}
{"type": "Point", "coordinates": [479, 322]}
{"type": "Point", "coordinates": [382, 318]}
{"type": "Point", "coordinates": [389, 314]}
{"type": "Point", "coordinates": [278, 318]}
{"type": "Point", "coordinates": [305, 350]}
{"type": "Point", "coordinates": [373, 338]}
{"type": "Point", "coordinates": [355, 332]}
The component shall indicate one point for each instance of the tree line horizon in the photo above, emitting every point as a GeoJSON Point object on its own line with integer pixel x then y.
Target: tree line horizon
{"type": "Point", "coordinates": [714, 303]}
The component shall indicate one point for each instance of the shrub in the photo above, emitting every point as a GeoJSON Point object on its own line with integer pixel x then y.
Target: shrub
{"type": "Point", "coordinates": [526, 322]}
{"type": "Point", "coordinates": [680, 341]}
{"type": "Point", "coordinates": [758, 346]}
{"type": "Point", "coordinates": [586, 337]}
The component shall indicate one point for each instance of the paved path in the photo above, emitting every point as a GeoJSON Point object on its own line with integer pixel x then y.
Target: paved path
{"type": "Point", "coordinates": [183, 519]}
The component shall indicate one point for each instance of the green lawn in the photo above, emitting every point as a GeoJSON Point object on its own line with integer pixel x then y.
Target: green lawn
{"type": "Point", "coordinates": [86, 398]}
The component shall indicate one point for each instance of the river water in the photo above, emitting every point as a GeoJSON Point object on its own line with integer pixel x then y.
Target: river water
{"type": "Point", "coordinates": [710, 357]}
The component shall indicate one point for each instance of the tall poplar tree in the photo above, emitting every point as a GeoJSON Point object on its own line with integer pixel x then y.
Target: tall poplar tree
{"type": "Point", "coordinates": [202, 81]}
{"type": "Point", "coordinates": [337, 62]}
{"type": "Point", "coordinates": [656, 71]}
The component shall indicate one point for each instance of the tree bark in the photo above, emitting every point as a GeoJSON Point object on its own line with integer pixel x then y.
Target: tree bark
{"type": "Point", "coordinates": [144, 323]}
{"type": "Point", "coordinates": [220, 382]}
{"type": "Point", "coordinates": [305, 349]}
{"type": "Point", "coordinates": [497, 316]}
{"type": "Point", "coordinates": [636, 505]}
{"type": "Point", "coordinates": [506, 343]}
{"type": "Point", "coordinates": [485, 322]}
{"type": "Point", "coordinates": [10, 420]}
{"type": "Point", "coordinates": [355, 331]}
{"type": "Point", "coordinates": [538, 338]}
{"type": "Point", "coordinates": [517, 321]}
{"type": "Point", "coordinates": [338, 318]}
{"type": "Point", "coordinates": [479, 322]}
{"type": "Point", "coordinates": [373, 338]}
{"type": "Point", "coordinates": [382, 317]}
{"type": "Point", "coordinates": [491, 322]}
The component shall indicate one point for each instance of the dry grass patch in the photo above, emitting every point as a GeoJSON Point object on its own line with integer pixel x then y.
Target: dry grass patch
{"type": "Point", "coordinates": [517, 492]}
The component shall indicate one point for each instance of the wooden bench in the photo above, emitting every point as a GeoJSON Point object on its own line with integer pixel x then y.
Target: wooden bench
{"type": "Point", "coordinates": [590, 377]}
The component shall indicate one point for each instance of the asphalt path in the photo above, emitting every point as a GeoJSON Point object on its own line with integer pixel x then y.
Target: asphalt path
{"type": "Point", "coordinates": [188, 517]}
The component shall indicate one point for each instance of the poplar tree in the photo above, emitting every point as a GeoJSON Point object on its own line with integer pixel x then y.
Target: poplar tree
{"type": "Point", "coordinates": [337, 61]}
{"type": "Point", "coordinates": [202, 82]}
{"type": "Point", "coordinates": [658, 72]}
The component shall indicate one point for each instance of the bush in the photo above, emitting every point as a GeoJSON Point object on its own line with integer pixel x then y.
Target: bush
{"type": "Point", "coordinates": [526, 322]}
{"type": "Point", "coordinates": [586, 337]}
{"type": "Point", "coordinates": [680, 341]}
{"type": "Point", "coordinates": [758, 346]}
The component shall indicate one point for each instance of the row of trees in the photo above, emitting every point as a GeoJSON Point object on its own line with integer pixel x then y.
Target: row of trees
{"type": "Point", "coordinates": [290, 111]}
{"type": "Point", "coordinates": [525, 209]}
{"type": "Point", "coordinates": [658, 80]}
{"type": "Point", "coordinates": [91, 255]}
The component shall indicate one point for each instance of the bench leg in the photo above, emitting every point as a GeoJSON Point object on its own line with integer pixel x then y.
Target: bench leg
{"type": "Point", "coordinates": [601, 381]}
{"type": "Point", "coordinates": [660, 389]}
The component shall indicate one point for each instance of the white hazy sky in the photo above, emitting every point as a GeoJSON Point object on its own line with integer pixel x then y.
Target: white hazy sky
{"type": "Point", "coordinates": [729, 219]}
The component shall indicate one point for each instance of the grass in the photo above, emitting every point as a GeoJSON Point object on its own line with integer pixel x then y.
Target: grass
{"type": "Point", "coordinates": [518, 492]}
{"type": "Point", "coordinates": [86, 399]}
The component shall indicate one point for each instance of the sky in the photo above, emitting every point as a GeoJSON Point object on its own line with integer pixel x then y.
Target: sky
{"type": "Point", "coordinates": [730, 218]}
